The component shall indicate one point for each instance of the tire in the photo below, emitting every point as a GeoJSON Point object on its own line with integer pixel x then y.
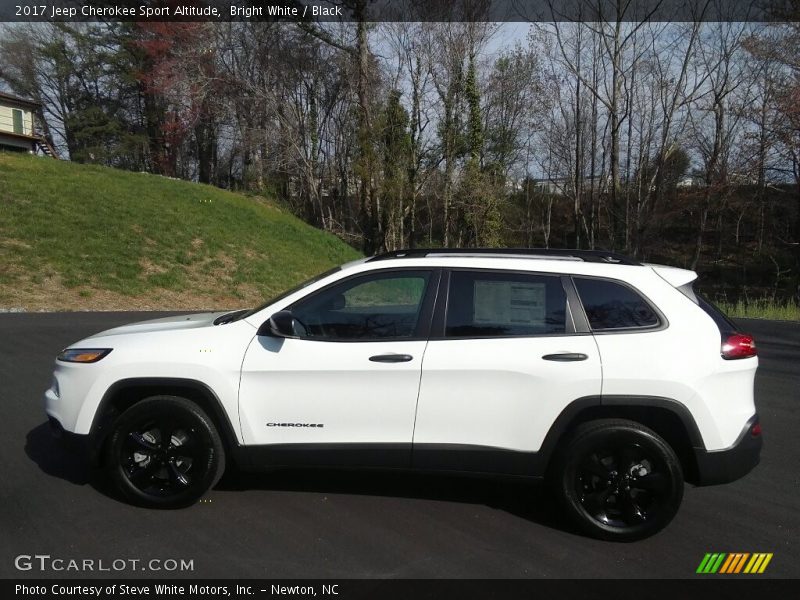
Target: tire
{"type": "Point", "coordinates": [164, 452]}
{"type": "Point", "coordinates": [617, 480]}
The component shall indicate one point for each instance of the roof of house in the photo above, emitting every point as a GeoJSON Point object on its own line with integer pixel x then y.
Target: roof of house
{"type": "Point", "coordinates": [17, 100]}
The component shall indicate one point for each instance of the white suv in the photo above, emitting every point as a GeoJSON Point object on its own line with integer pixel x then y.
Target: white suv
{"type": "Point", "coordinates": [611, 378]}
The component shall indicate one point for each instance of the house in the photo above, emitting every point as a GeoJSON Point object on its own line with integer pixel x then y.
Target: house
{"type": "Point", "coordinates": [554, 185]}
{"type": "Point", "coordinates": [691, 181]}
{"type": "Point", "coordinates": [19, 129]}
{"type": "Point", "coordinates": [562, 186]}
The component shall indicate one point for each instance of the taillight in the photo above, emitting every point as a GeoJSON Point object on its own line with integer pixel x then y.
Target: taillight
{"type": "Point", "coordinates": [738, 345]}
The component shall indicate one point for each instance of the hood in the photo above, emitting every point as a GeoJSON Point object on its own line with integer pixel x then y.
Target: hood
{"type": "Point", "coordinates": [193, 321]}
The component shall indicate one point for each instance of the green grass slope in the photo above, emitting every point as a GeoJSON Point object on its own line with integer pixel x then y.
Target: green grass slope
{"type": "Point", "coordinates": [81, 237]}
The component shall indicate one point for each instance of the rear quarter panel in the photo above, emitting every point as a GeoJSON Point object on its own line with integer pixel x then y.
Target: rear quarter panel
{"type": "Point", "coordinates": [681, 362]}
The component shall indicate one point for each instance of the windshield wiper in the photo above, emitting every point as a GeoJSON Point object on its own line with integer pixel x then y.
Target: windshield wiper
{"type": "Point", "coordinates": [229, 317]}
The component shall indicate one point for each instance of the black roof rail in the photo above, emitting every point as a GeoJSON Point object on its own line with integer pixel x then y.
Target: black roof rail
{"type": "Point", "coordinates": [594, 256]}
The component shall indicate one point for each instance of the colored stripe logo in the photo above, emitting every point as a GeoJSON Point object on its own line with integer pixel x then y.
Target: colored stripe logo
{"type": "Point", "coordinates": [734, 563]}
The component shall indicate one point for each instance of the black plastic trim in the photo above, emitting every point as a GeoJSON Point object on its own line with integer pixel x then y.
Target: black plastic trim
{"type": "Point", "coordinates": [439, 321]}
{"type": "Point", "coordinates": [391, 358]}
{"type": "Point", "coordinates": [566, 356]}
{"type": "Point", "coordinates": [460, 458]}
{"type": "Point", "coordinates": [568, 415]}
{"type": "Point", "coordinates": [595, 256]}
{"type": "Point", "coordinates": [579, 319]}
{"type": "Point", "coordinates": [83, 446]}
{"type": "Point", "coordinates": [328, 455]}
{"type": "Point", "coordinates": [723, 466]}
{"type": "Point", "coordinates": [560, 426]}
{"type": "Point", "coordinates": [677, 408]}
{"type": "Point", "coordinates": [220, 415]}
{"type": "Point", "coordinates": [475, 459]}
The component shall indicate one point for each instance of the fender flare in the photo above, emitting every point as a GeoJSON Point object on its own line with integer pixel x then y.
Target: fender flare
{"type": "Point", "coordinates": [218, 413]}
{"type": "Point", "coordinates": [567, 416]}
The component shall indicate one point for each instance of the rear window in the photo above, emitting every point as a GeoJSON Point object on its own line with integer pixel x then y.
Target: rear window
{"type": "Point", "coordinates": [611, 305]}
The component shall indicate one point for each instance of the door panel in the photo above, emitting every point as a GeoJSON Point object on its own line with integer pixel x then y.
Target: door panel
{"type": "Point", "coordinates": [351, 375]}
{"type": "Point", "coordinates": [501, 393]}
{"type": "Point", "coordinates": [507, 363]}
{"type": "Point", "coordinates": [334, 385]}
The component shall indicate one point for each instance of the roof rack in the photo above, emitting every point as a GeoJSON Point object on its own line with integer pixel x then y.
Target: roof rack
{"type": "Point", "coordinates": [594, 256]}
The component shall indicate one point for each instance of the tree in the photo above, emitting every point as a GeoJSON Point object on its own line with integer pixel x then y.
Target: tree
{"type": "Point", "coordinates": [725, 75]}
{"type": "Point", "coordinates": [396, 157]}
{"type": "Point", "coordinates": [413, 73]}
{"type": "Point", "coordinates": [81, 76]}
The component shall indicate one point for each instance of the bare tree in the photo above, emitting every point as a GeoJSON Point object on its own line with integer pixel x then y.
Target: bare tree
{"type": "Point", "coordinates": [717, 51]}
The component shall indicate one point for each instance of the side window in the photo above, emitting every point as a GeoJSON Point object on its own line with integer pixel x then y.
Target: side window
{"type": "Point", "coordinates": [611, 305]}
{"type": "Point", "coordinates": [372, 307]}
{"type": "Point", "coordinates": [484, 304]}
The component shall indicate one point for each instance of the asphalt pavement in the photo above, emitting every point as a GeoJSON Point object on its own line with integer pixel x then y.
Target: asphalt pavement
{"type": "Point", "coordinates": [298, 524]}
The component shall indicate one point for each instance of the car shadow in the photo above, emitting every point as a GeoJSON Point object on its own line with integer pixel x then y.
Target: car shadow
{"type": "Point", "coordinates": [522, 498]}
{"type": "Point", "coordinates": [55, 460]}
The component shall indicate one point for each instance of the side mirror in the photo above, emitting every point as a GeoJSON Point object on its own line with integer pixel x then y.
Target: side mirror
{"type": "Point", "coordinates": [280, 325]}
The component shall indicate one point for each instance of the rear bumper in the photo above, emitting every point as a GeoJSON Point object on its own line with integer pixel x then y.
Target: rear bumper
{"type": "Point", "coordinates": [724, 466]}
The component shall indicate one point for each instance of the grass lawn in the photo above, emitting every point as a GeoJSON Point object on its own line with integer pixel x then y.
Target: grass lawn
{"type": "Point", "coordinates": [762, 309]}
{"type": "Point", "coordinates": [81, 237]}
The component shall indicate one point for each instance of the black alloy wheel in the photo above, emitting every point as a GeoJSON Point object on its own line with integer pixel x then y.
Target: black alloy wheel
{"type": "Point", "coordinates": [619, 480]}
{"type": "Point", "coordinates": [165, 452]}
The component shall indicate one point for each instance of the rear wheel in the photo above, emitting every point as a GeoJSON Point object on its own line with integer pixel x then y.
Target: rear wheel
{"type": "Point", "coordinates": [164, 452]}
{"type": "Point", "coordinates": [618, 480]}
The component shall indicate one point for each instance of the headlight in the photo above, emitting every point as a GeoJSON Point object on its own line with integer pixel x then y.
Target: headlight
{"type": "Point", "coordinates": [83, 355]}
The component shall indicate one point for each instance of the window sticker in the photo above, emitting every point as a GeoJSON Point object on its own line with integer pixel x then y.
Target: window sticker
{"type": "Point", "coordinates": [509, 302]}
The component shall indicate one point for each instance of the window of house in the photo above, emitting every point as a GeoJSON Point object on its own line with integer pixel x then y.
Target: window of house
{"type": "Point", "coordinates": [18, 121]}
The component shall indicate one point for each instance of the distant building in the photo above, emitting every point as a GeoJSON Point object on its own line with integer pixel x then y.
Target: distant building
{"type": "Point", "coordinates": [553, 185]}
{"type": "Point", "coordinates": [560, 186]}
{"type": "Point", "coordinates": [19, 128]}
{"type": "Point", "coordinates": [698, 180]}
{"type": "Point", "coordinates": [694, 180]}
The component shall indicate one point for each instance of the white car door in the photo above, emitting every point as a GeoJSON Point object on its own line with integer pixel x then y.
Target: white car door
{"type": "Point", "coordinates": [344, 391]}
{"type": "Point", "coordinates": [503, 366]}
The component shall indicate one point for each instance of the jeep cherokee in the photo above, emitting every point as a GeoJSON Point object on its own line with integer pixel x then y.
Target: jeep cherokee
{"type": "Point", "coordinates": [610, 378]}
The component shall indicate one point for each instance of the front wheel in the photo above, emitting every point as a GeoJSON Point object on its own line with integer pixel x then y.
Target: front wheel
{"type": "Point", "coordinates": [164, 452]}
{"type": "Point", "coordinates": [618, 480]}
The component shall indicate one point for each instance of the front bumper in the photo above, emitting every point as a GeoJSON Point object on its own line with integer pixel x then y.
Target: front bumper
{"type": "Point", "coordinates": [724, 466]}
{"type": "Point", "coordinates": [83, 446]}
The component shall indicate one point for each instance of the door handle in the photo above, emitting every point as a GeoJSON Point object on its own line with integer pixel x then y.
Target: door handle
{"type": "Point", "coordinates": [565, 356]}
{"type": "Point", "coordinates": [391, 358]}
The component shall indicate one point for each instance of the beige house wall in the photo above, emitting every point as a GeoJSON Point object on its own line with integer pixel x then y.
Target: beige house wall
{"type": "Point", "coordinates": [7, 119]}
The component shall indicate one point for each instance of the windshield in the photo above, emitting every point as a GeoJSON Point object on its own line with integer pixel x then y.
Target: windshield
{"type": "Point", "coordinates": [243, 314]}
